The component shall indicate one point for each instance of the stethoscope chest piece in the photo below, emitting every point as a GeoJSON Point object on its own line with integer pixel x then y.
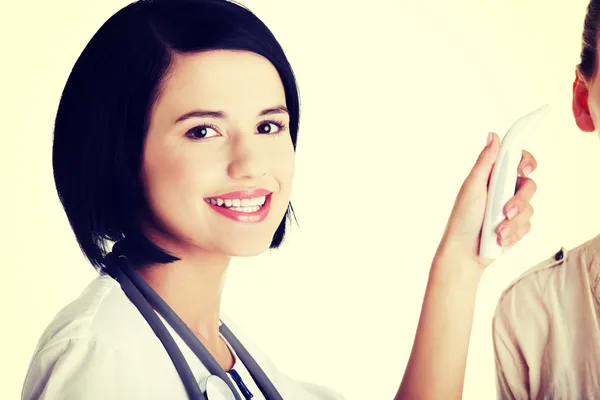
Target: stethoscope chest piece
{"type": "Point", "coordinates": [214, 388]}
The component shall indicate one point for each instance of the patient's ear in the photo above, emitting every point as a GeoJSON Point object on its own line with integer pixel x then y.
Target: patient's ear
{"type": "Point", "coordinates": [581, 109]}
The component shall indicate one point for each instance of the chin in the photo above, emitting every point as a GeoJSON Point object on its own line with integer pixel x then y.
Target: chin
{"type": "Point", "coordinates": [248, 248]}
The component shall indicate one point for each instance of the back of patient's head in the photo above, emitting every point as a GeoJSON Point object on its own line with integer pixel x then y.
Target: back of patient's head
{"type": "Point", "coordinates": [586, 96]}
{"type": "Point", "coordinates": [104, 110]}
{"type": "Point", "coordinates": [590, 36]}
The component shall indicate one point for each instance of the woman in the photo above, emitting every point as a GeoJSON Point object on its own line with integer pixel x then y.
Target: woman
{"type": "Point", "coordinates": [175, 137]}
{"type": "Point", "coordinates": [551, 347]}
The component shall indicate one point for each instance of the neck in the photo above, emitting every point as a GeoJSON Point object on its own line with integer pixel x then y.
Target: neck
{"type": "Point", "coordinates": [192, 287]}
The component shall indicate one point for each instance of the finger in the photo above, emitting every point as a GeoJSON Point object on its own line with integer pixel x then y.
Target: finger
{"type": "Point", "coordinates": [485, 162]}
{"type": "Point", "coordinates": [528, 164]}
{"type": "Point", "coordinates": [511, 231]}
{"type": "Point", "coordinates": [511, 235]}
{"type": "Point", "coordinates": [526, 189]}
{"type": "Point", "coordinates": [519, 220]}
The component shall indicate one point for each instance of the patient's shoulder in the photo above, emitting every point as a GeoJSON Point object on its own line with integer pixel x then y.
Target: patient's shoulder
{"type": "Point", "coordinates": [538, 272]}
{"type": "Point", "coordinates": [561, 266]}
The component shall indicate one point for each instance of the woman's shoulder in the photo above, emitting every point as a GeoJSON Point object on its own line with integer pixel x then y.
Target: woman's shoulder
{"type": "Point", "coordinates": [95, 315]}
{"type": "Point", "coordinates": [81, 349]}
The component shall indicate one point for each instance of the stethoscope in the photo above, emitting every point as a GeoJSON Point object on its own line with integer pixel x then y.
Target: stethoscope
{"type": "Point", "coordinates": [217, 385]}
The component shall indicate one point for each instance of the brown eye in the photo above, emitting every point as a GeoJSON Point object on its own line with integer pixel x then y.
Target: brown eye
{"type": "Point", "coordinates": [269, 127]}
{"type": "Point", "coordinates": [201, 132]}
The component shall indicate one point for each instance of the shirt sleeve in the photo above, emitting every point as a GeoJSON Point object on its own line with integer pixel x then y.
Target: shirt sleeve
{"type": "Point", "coordinates": [81, 369]}
{"type": "Point", "coordinates": [511, 366]}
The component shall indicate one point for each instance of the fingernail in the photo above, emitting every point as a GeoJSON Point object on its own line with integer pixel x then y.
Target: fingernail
{"type": "Point", "coordinates": [489, 139]}
{"type": "Point", "coordinates": [527, 170]}
{"type": "Point", "coordinates": [512, 213]}
{"type": "Point", "coordinates": [504, 231]}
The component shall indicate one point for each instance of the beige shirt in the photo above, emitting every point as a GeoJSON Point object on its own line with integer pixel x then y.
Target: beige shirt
{"type": "Point", "coordinates": [546, 329]}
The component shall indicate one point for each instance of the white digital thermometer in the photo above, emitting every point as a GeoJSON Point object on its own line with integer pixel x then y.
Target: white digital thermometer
{"type": "Point", "coordinates": [503, 181]}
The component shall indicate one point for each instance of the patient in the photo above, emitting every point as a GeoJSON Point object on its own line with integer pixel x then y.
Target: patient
{"type": "Point", "coordinates": [546, 329]}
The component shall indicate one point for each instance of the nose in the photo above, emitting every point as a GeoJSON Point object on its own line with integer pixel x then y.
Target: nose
{"type": "Point", "coordinates": [247, 161]}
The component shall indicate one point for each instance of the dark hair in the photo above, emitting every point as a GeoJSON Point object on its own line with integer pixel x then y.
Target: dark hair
{"type": "Point", "coordinates": [590, 36]}
{"type": "Point", "coordinates": [103, 113]}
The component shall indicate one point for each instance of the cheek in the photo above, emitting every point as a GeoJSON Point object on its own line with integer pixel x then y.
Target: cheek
{"type": "Point", "coordinates": [159, 173]}
{"type": "Point", "coordinates": [285, 166]}
{"type": "Point", "coordinates": [169, 181]}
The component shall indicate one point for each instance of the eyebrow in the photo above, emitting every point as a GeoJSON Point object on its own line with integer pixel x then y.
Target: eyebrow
{"type": "Point", "coordinates": [222, 114]}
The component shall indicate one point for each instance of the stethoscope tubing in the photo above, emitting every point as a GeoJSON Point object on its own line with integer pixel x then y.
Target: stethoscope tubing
{"type": "Point", "coordinates": [183, 369]}
{"type": "Point", "coordinates": [144, 298]}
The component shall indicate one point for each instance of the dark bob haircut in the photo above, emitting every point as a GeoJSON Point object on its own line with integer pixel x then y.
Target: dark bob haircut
{"type": "Point", "coordinates": [103, 113]}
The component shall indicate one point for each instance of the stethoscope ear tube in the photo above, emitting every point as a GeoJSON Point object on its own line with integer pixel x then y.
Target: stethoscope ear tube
{"type": "Point", "coordinates": [143, 297]}
{"type": "Point", "coordinates": [151, 297]}
{"type": "Point", "coordinates": [183, 369]}
{"type": "Point", "coordinates": [260, 378]}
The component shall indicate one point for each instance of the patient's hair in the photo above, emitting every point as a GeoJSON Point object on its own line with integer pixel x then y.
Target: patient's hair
{"type": "Point", "coordinates": [590, 36]}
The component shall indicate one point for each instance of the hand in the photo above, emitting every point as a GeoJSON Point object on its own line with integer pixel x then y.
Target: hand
{"type": "Point", "coordinates": [460, 243]}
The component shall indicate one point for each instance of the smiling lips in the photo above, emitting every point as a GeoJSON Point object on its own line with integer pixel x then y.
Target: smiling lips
{"type": "Point", "coordinates": [242, 206]}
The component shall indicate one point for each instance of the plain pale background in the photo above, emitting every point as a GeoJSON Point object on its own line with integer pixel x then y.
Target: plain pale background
{"type": "Point", "coordinates": [397, 100]}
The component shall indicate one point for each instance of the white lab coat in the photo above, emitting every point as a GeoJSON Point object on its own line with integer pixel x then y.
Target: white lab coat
{"type": "Point", "coordinates": [100, 347]}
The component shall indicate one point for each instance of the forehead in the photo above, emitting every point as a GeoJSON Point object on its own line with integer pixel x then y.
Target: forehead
{"type": "Point", "coordinates": [227, 80]}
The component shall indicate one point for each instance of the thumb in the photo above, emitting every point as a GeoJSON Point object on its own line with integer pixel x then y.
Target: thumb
{"type": "Point", "coordinates": [482, 169]}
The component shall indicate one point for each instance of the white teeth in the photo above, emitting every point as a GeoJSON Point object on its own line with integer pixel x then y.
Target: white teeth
{"type": "Point", "coordinates": [258, 201]}
{"type": "Point", "coordinates": [250, 209]}
{"type": "Point", "coordinates": [241, 205]}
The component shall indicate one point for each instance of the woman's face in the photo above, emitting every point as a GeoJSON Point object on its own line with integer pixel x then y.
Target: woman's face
{"type": "Point", "coordinates": [218, 159]}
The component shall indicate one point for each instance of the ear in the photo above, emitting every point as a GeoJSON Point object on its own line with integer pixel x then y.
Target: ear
{"type": "Point", "coordinates": [581, 109]}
